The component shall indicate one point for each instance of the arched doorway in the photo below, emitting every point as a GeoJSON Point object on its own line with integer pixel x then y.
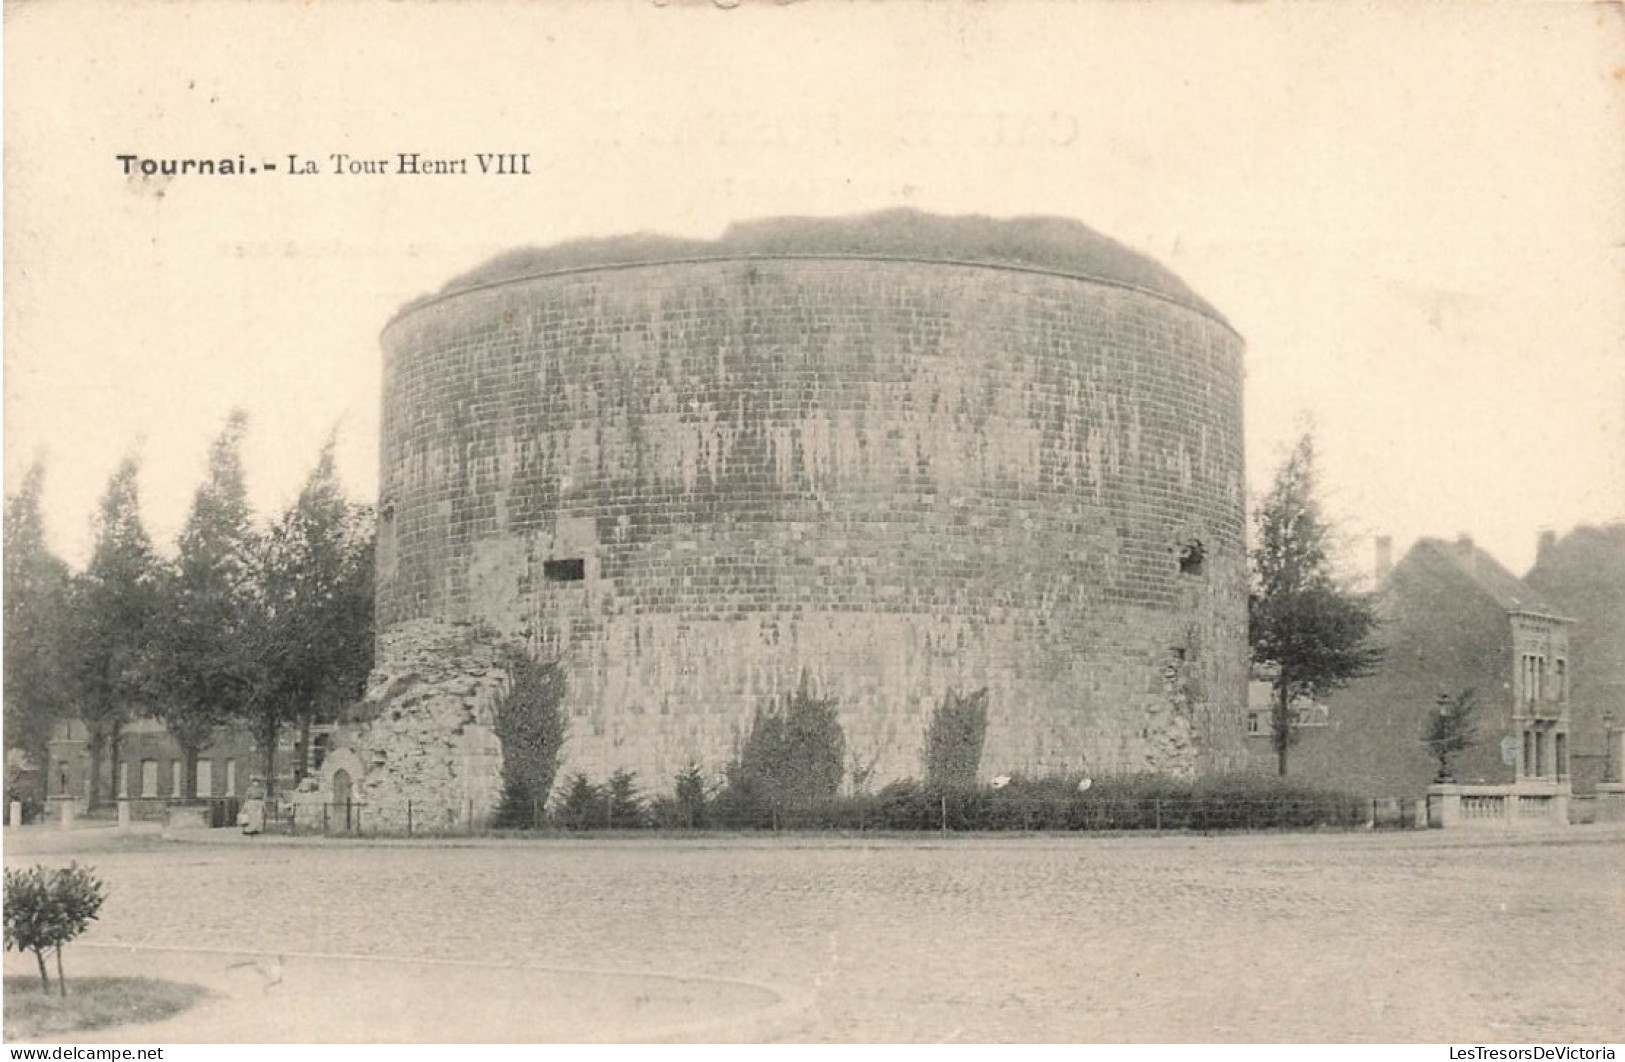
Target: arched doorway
{"type": "Point", "coordinates": [342, 795]}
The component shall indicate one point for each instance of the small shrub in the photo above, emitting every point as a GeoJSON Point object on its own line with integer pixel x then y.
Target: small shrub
{"type": "Point", "coordinates": [745, 802]}
{"type": "Point", "coordinates": [44, 909]}
{"type": "Point", "coordinates": [583, 804]}
{"type": "Point", "coordinates": [625, 808]}
{"type": "Point", "coordinates": [691, 806]}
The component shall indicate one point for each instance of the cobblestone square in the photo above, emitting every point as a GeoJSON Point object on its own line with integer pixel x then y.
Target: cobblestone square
{"type": "Point", "coordinates": [1337, 937]}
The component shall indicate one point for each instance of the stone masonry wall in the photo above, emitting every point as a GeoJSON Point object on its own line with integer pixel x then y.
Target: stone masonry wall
{"type": "Point", "coordinates": [431, 737]}
{"type": "Point", "coordinates": [897, 477]}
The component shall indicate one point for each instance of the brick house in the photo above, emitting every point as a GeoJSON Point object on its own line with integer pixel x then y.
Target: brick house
{"type": "Point", "coordinates": [150, 765]}
{"type": "Point", "coordinates": [1453, 619]}
{"type": "Point", "coordinates": [1583, 575]}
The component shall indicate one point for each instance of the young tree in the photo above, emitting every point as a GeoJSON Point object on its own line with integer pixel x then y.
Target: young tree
{"type": "Point", "coordinates": [582, 804]}
{"type": "Point", "coordinates": [36, 588]}
{"type": "Point", "coordinates": [202, 666]}
{"type": "Point", "coordinates": [315, 645]}
{"type": "Point", "coordinates": [1451, 729]}
{"type": "Point", "coordinates": [1311, 631]}
{"type": "Point", "coordinates": [109, 612]}
{"type": "Point", "coordinates": [47, 908]}
{"type": "Point", "coordinates": [627, 809]}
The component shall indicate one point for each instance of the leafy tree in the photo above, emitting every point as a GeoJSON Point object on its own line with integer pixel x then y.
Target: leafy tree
{"type": "Point", "coordinates": [36, 590]}
{"type": "Point", "coordinates": [1305, 627]}
{"type": "Point", "coordinates": [315, 641]}
{"type": "Point", "coordinates": [792, 759]}
{"type": "Point", "coordinates": [202, 666]}
{"type": "Point", "coordinates": [532, 726]}
{"type": "Point", "coordinates": [954, 739]}
{"type": "Point", "coordinates": [108, 645]}
{"type": "Point", "coordinates": [1451, 729]}
{"type": "Point", "coordinates": [47, 908]}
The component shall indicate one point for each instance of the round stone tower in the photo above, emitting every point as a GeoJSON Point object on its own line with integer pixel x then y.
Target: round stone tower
{"type": "Point", "coordinates": [897, 454]}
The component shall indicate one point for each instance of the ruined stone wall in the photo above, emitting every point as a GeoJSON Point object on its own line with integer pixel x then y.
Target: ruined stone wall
{"type": "Point", "coordinates": [896, 476]}
{"type": "Point", "coordinates": [429, 732]}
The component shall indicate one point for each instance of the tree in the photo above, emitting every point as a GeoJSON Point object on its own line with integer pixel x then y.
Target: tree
{"type": "Point", "coordinates": [1451, 729]}
{"type": "Point", "coordinates": [531, 724]}
{"type": "Point", "coordinates": [582, 801]}
{"type": "Point", "coordinates": [47, 908]}
{"type": "Point", "coordinates": [36, 590]}
{"type": "Point", "coordinates": [316, 640]}
{"type": "Point", "coordinates": [954, 739]}
{"type": "Point", "coordinates": [202, 667]}
{"type": "Point", "coordinates": [626, 807]}
{"type": "Point", "coordinates": [692, 796]}
{"type": "Point", "coordinates": [110, 607]}
{"type": "Point", "coordinates": [792, 759]}
{"type": "Point", "coordinates": [1302, 624]}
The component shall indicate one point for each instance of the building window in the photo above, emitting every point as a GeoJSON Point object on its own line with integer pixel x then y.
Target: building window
{"type": "Point", "coordinates": [572, 570]}
{"type": "Point", "coordinates": [149, 778]}
{"type": "Point", "coordinates": [1192, 557]}
{"type": "Point", "coordinates": [176, 770]}
{"type": "Point", "coordinates": [1533, 677]}
{"type": "Point", "coordinates": [124, 779]}
{"type": "Point", "coordinates": [205, 778]}
{"type": "Point", "coordinates": [231, 777]}
{"type": "Point", "coordinates": [1255, 724]}
{"type": "Point", "coordinates": [1560, 675]}
{"type": "Point", "coordinates": [1560, 753]}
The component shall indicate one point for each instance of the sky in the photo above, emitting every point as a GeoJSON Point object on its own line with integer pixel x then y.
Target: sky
{"type": "Point", "coordinates": [1414, 215]}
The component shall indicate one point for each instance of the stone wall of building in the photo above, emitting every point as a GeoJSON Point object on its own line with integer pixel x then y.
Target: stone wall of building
{"type": "Point", "coordinates": [1583, 576]}
{"type": "Point", "coordinates": [695, 481]}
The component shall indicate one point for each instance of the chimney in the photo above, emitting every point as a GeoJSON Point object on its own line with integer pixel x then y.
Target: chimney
{"type": "Point", "coordinates": [1548, 539]}
{"type": "Point", "coordinates": [1464, 550]}
{"type": "Point", "coordinates": [1385, 556]}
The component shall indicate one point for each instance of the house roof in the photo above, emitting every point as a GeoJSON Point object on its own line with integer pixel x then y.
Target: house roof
{"type": "Point", "coordinates": [1487, 574]}
{"type": "Point", "coordinates": [1049, 244]}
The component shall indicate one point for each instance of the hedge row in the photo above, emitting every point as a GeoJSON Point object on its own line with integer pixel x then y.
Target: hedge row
{"type": "Point", "coordinates": [1139, 802]}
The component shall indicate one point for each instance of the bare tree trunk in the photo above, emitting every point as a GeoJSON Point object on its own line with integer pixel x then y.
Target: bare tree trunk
{"type": "Point", "coordinates": [1281, 723]}
{"type": "Point", "coordinates": [189, 757]}
{"type": "Point", "coordinates": [61, 982]}
{"type": "Point", "coordinates": [269, 732]}
{"type": "Point", "coordinates": [44, 978]}
{"type": "Point", "coordinates": [115, 747]}
{"type": "Point", "coordinates": [97, 745]}
{"type": "Point", "coordinates": [301, 765]}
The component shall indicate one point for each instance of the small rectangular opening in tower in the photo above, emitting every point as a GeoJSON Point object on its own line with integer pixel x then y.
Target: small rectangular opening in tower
{"type": "Point", "coordinates": [572, 570]}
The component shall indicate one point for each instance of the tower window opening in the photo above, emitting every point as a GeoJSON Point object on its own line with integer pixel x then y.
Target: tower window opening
{"type": "Point", "coordinates": [572, 570]}
{"type": "Point", "coordinates": [1191, 557]}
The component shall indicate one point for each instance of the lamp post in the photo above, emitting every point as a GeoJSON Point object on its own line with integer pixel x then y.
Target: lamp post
{"type": "Point", "coordinates": [1442, 742]}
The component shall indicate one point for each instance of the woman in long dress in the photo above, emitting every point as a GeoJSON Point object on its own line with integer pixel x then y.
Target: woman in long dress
{"type": "Point", "coordinates": [252, 817]}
